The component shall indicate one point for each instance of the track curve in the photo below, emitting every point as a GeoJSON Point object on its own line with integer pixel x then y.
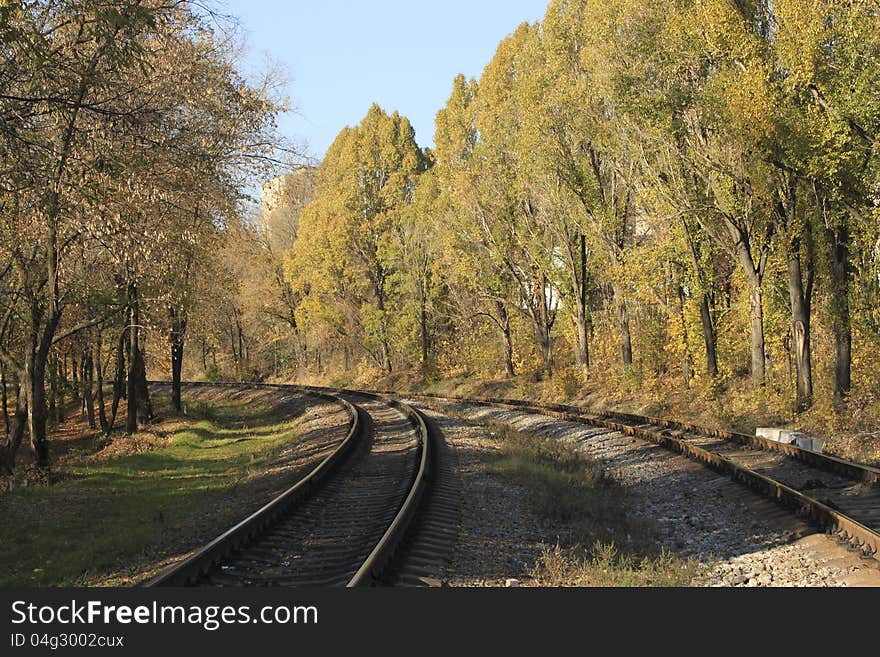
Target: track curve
{"type": "Point", "coordinates": [342, 524]}
{"type": "Point", "coordinates": [840, 497]}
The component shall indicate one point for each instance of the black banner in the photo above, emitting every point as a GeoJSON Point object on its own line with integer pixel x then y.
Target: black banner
{"type": "Point", "coordinates": [226, 621]}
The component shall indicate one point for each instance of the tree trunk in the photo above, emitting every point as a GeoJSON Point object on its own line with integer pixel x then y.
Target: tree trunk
{"type": "Point", "coordinates": [99, 388]}
{"type": "Point", "coordinates": [385, 348]}
{"type": "Point", "coordinates": [118, 379]}
{"type": "Point", "coordinates": [543, 337]}
{"type": "Point", "coordinates": [88, 380]}
{"type": "Point", "coordinates": [9, 447]}
{"type": "Point", "coordinates": [176, 338]}
{"type": "Point", "coordinates": [176, 370]}
{"type": "Point", "coordinates": [801, 300]}
{"type": "Point", "coordinates": [54, 385]}
{"type": "Point", "coordinates": [542, 322]}
{"type": "Point", "coordinates": [687, 367]}
{"type": "Point", "coordinates": [5, 401]}
{"type": "Point", "coordinates": [139, 407]}
{"type": "Point", "coordinates": [35, 380]}
{"type": "Point", "coordinates": [423, 327]}
{"type": "Point", "coordinates": [800, 265]}
{"type": "Point", "coordinates": [241, 354]}
{"type": "Point", "coordinates": [74, 380]}
{"type": "Point", "coordinates": [756, 327]}
{"type": "Point", "coordinates": [709, 337]}
{"type": "Point", "coordinates": [386, 357]}
{"type": "Point", "coordinates": [145, 405]}
{"type": "Point", "coordinates": [504, 317]}
{"type": "Point", "coordinates": [838, 246]}
{"type": "Point", "coordinates": [582, 316]}
{"type": "Point", "coordinates": [626, 351]}
{"type": "Point", "coordinates": [131, 421]}
{"type": "Point", "coordinates": [756, 314]}
{"type": "Point", "coordinates": [232, 342]}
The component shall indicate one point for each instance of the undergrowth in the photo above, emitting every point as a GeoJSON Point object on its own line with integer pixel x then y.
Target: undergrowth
{"type": "Point", "coordinates": [599, 541]}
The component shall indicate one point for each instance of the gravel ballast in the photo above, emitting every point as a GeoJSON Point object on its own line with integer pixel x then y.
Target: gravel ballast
{"type": "Point", "coordinates": [742, 539]}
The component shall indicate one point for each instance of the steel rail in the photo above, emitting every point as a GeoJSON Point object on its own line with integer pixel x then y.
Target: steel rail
{"type": "Point", "coordinates": [372, 569]}
{"type": "Point", "coordinates": [831, 520]}
{"type": "Point", "coordinates": [375, 565]}
{"type": "Point", "coordinates": [208, 557]}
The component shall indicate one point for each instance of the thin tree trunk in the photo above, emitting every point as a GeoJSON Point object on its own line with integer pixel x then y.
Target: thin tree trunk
{"type": "Point", "coordinates": [542, 335]}
{"type": "Point", "coordinates": [841, 325]}
{"type": "Point", "coordinates": [88, 377]}
{"type": "Point", "coordinates": [709, 337]}
{"type": "Point", "coordinates": [139, 408]}
{"type": "Point", "coordinates": [542, 323]}
{"type": "Point", "coordinates": [801, 298]}
{"type": "Point", "coordinates": [118, 379]}
{"type": "Point", "coordinates": [239, 332]}
{"type": "Point", "coordinates": [74, 380]}
{"type": "Point", "coordinates": [54, 385]}
{"type": "Point", "coordinates": [756, 314]}
{"type": "Point", "coordinates": [626, 350]}
{"type": "Point", "coordinates": [756, 327]}
{"type": "Point", "coordinates": [145, 404]}
{"type": "Point", "coordinates": [687, 367]}
{"type": "Point", "coordinates": [176, 338]}
{"type": "Point", "coordinates": [582, 316]}
{"type": "Point", "coordinates": [5, 401]}
{"type": "Point", "coordinates": [385, 349]}
{"type": "Point", "coordinates": [131, 421]}
{"type": "Point", "coordinates": [232, 341]}
{"type": "Point", "coordinates": [99, 388]}
{"type": "Point", "coordinates": [176, 371]}
{"type": "Point", "coordinates": [35, 379]}
{"type": "Point", "coordinates": [504, 316]}
{"type": "Point", "coordinates": [800, 285]}
{"type": "Point", "coordinates": [9, 447]}
{"type": "Point", "coordinates": [423, 327]}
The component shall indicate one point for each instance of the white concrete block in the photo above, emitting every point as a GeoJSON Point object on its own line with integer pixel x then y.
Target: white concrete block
{"type": "Point", "coordinates": [789, 437]}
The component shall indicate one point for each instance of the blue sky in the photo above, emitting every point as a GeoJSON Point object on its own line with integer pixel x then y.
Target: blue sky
{"type": "Point", "coordinates": [340, 56]}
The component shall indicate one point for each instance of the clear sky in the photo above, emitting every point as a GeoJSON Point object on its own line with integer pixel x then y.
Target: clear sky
{"type": "Point", "coordinates": [340, 56]}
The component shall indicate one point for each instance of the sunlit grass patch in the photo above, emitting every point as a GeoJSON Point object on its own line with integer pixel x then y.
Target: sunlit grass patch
{"type": "Point", "coordinates": [604, 565]}
{"type": "Point", "coordinates": [111, 509]}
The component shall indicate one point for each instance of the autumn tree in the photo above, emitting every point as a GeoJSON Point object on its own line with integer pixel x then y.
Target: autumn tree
{"type": "Point", "coordinates": [341, 261]}
{"type": "Point", "coordinates": [124, 126]}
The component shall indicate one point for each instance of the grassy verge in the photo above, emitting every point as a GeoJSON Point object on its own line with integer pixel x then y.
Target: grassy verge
{"type": "Point", "coordinates": [109, 510]}
{"type": "Point", "coordinates": [600, 543]}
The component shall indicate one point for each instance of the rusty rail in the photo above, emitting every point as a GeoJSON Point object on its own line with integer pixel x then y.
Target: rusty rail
{"type": "Point", "coordinates": [831, 520]}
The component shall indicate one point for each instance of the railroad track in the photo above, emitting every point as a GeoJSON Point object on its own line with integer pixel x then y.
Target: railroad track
{"type": "Point", "coordinates": [840, 497]}
{"type": "Point", "coordinates": [343, 523]}
{"type": "Point", "coordinates": [367, 515]}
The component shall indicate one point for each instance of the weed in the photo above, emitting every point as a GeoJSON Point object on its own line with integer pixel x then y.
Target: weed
{"type": "Point", "coordinates": [599, 542]}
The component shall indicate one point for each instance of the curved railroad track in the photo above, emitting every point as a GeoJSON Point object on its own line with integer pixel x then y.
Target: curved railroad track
{"type": "Point", "coordinates": [367, 515]}
{"type": "Point", "coordinates": [840, 497]}
{"type": "Point", "coordinates": [341, 524]}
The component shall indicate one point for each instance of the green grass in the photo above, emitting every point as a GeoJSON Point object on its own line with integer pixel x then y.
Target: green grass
{"type": "Point", "coordinates": [109, 511]}
{"type": "Point", "coordinates": [600, 543]}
